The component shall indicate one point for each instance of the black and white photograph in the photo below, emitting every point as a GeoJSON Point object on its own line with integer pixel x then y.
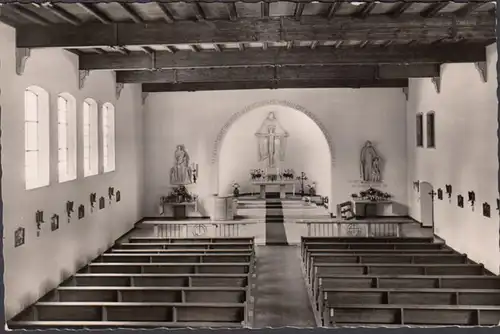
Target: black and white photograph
{"type": "Point", "coordinates": [300, 164]}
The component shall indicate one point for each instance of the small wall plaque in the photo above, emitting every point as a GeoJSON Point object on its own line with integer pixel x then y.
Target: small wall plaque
{"type": "Point", "coordinates": [460, 201]}
{"type": "Point", "coordinates": [440, 194]}
{"type": "Point", "coordinates": [102, 203]}
{"type": "Point", "coordinates": [69, 208]}
{"type": "Point", "coordinates": [486, 210]}
{"type": "Point", "coordinates": [449, 190]}
{"type": "Point", "coordinates": [118, 196]}
{"type": "Point", "coordinates": [81, 211]}
{"type": "Point", "coordinates": [19, 237]}
{"type": "Point", "coordinates": [54, 222]}
{"type": "Point", "coordinates": [93, 200]}
{"type": "Point", "coordinates": [39, 221]}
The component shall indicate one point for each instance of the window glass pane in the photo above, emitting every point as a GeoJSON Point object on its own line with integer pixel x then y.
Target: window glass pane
{"type": "Point", "coordinates": [86, 113]}
{"type": "Point", "coordinates": [62, 108]}
{"type": "Point", "coordinates": [31, 160]}
{"type": "Point", "coordinates": [86, 152]}
{"type": "Point", "coordinates": [31, 106]}
{"type": "Point", "coordinates": [63, 136]}
{"type": "Point", "coordinates": [31, 135]}
{"type": "Point", "coordinates": [63, 155]}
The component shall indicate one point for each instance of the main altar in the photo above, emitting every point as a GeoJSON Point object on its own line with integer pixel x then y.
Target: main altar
{"type": "Point", "coordinates": [263, 184]}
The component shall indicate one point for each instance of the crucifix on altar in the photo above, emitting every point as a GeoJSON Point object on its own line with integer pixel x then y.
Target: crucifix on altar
{"type": "Point", "coordinates": [271, 148]}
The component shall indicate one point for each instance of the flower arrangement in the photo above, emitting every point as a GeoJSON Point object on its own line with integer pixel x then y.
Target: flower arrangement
{"type": "Point", "coordinates": [236, 189]}
{"type": "Point", "coordinates": [312, 189]}
{"type": "Point", "coordinates": [178, 195]}
{"type": "Point", "coordinates": [256, 174]}
{"type": "Point", "coordinates": [288, 174]}
{"type": "Point", "coordinates": [372, 194]}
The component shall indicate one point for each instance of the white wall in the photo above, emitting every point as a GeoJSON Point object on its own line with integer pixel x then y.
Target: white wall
{"type": "Point", "coordinates": [465, 156]}
{"type": "Point", "coordinates": [351, 116]}
{"type": "Point", "coordinates": [306, 150]}
{"type": "Point", "coordinates": [42, 262]}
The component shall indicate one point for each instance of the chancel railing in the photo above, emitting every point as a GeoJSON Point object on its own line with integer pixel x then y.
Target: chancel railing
{"type": "Point", "coordinates": [353, 229]}
{"type": "Point", "coordinates": [169, 229]}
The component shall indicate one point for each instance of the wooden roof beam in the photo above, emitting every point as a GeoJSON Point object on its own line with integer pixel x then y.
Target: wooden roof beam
{"type": "Point", "coordinates": [29, 15]}
{"type": "Point", "coordinates": [364, 72]}
{"type": "Point", "coordinates": [166, 13]}
{"type": "Point", "coordinates": [95, 12]}
{"type": "Point", "coordinates": [334, 7]}
{"type": "Point", "coordinates": [61, 13]}
{"type": "Point", "coordinates": [252, 1]}
{"type": "Point", "coordinates": [374, 27]}
{"type": "Point", "coordinates": [364, 10]}
{"type": "Point", "coordinates": [266, 84]}
{"type": "Point", "coordinates": [198, 11]}
{"type": "Point", "coordinates": [395, 54]}
{"type": "Point", "coordinates": [433, 9]}
{"type": "Point", "coordinates": [399, 9]}
{"type": "Point", "coordinates": [233, 12]}
{"type": "Point", "coordinates": [299, 9]}
{"type": "Point", "coordinates": [467, 9]}
{"type": "Point", "coordinates": [264, 9]}
{"type": "Point", "coordinates": [131, 12]}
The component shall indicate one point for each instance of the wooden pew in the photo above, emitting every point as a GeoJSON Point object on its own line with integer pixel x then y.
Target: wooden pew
{"type": "Point", "coordinates": [379, 252]}
{"type": "Point", "coordinates": [165, 268]}
{"type": "Point", "coordinates": [158, 280]}
{"type": "Point", "coordinates": [95, 312]}
{"type": "Point", "coordinates": [373, 259]}
{"type": "Point", "coordinates": [321, 269]}
{"type": "Point", "coordinates": [441, 315]}
{"type": "Point", "coordinates": [371, 246]}
{"type": "Point", "coordinates": [344, 296]}
{"type": "Point", "coordinates": [175, 258]}
{"type": "Point", "coordinates": [180, 251]}
{"type": "Point", "coordinates": [135, 294]}
{"type": "Point", "coordinates": [409, 281]}
{"type": "Point", "coordinates": [240, 240]}
{"type": "Point", "coordinates": [182, 246]}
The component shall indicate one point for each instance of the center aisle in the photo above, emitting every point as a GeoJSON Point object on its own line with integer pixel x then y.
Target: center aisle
{"type": "Point", "coordinates": [281, 297]}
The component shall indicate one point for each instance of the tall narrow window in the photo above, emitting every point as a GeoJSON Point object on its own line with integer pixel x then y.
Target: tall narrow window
{"type": "Point", "coordinates": [36, 134]}
{"type": "Point", "coordinates": [66, 128]}
{"type": "Point", "coordinates": [90, 138]}
{"type": "Point", "coordinates": [108, 137]}
{"type": "Point", "coordinates": [431, 128]}
{"type": "Point", "coordinates": [420, 130]}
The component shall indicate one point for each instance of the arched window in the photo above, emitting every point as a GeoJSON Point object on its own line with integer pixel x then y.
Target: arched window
{"type": "Point", "coordinates": [90, 138]}
{"type": "Point", "coordinates": [420, 130]}
{"type": "Point", "coordinates": [66, 129]}
{"type": "Point", "coordinates": [431, 129]}
{"type": "Point", "coordinates": [108, 137]}
{"type": "Point", "coordinates": [36, 134]}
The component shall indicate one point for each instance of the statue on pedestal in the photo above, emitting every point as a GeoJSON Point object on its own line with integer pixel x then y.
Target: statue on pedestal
{"type": "Point", "coordinates": [271, 139]}
{"type": "Point", "coordinates": [370, 163]}
{"type": "Point", "coordinates": [181, 173]}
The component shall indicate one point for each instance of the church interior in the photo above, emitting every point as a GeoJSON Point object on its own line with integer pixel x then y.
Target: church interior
{"type": "Point", "coordinates": [249, 163]}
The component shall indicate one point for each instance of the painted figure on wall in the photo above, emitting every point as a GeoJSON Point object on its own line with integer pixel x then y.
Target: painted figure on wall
{"type": "Point", "coordinates": [181, 173]}
{"type": "Point", "coordinates": [370, 162]}
{"type": "Point", "coordinates": [271, 139]}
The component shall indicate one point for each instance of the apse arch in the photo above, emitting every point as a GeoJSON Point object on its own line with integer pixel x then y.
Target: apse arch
{"type": "Point", "coordinates": [268, 104]}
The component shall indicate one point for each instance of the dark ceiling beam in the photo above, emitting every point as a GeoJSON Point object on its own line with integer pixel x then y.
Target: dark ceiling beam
{"type": "Point", "coordinates": [61, 13]}
{"type": "Point", "coordinates": [264, 9]}
{"type": "Point", "coordinates": [467, 9]}
{"type": "Point", "coordinates": [332, 10]}
{"type": "Point", "coordinates": [398, 9]}
{"type": "Point", "coordinates": [299, 9]}
{"type": "Point", "coordinates": [29, 15]}
{"type": "Point", "coordinates": [309, 28]}
{"type": "Point", "coordinates": [394, 54]}
{"type": "Point", "coordinates": [251, 1]}
{"type": "Point", "coordinates": [166, 13]}
{"type": "Point", "coordinates": [233, 85]}
{"type": "Point", "coordinates": [364, 10]}
{"type": "Point", "coordinates": [433, 9]}
{"type": "Point", "coordinates": [95, 12]}
{"type": "Point", "coordinates": [131, 12]}
{"type": "Point", "coordinates": [232, 11]}
{"type": "Point", "coordinates": [198, 12]}
{"type": "Point", "coordinates": [365, 72]}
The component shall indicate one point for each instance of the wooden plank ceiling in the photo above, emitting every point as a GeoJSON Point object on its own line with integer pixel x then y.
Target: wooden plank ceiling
{"type": "Point", "coordinates": [192, 45]}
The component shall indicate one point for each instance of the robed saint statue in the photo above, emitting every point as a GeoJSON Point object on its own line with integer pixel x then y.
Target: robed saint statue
{"type": "Point", "coordinates": [271, 139]}
{"type": "Point", "coordinates": [370, 163]}
{"type": "Point", "coordinates": [181, 173]}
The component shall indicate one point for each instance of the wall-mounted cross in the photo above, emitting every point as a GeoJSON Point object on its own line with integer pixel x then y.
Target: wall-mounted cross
{"type": "Point", "coordinates": [433, 194]}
